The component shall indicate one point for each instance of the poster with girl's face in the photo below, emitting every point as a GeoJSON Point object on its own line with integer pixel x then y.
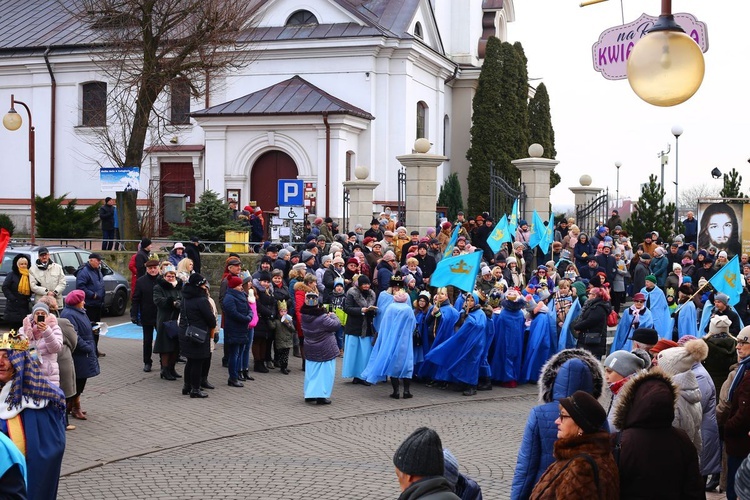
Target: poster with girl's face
{"type": "Point", "coordinates": [719, 226]}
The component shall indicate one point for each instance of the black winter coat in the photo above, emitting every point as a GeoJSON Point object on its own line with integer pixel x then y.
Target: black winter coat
{"type": "Point", "coordinates": [237, 316]}
{"type": "Point", "coordinates": [593, 318]}
{"type": "Point", "coordinates": [168, 300]}
{"type": "Point", "coordinates": [16, 305]}
{"type": "Point", "coordinates": [356, 322]}
{"type": "Point", "coordinates": [107, 216]}
{"type": "Point", "coordinates": [193, 253]}
{"type": "Point", "coordinates": [143, 309]}
{"type": "Point", "coordinates": [266, 305]}
{"type": "Point", "coordinates": [196, 311]}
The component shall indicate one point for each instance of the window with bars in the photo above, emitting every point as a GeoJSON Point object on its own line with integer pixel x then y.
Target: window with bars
{"type": "Point", "coordinates": [94, 104]}
{"type": "Point", "coordinates": [179, 102]}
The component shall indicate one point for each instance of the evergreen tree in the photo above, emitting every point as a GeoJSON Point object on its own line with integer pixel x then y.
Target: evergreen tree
{"type": "Point", "coordinates": [523, 96]}
{"type": "Point", "coordinates": [208, 219]}
{"type": "Point", "coordinates": [540, 127]}
{"type": "Point", "coordinates": [53, 220]}
{"type": "Point", "coordinates": [450, 196]}
{"type": "Point", "coordinates": [650, 213]}
{"type": "Point", "coordinates": [732, 185]}
{"type": "Point", "coordinates": [496, 136]}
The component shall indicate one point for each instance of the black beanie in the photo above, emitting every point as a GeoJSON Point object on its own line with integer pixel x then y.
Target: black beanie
{"type": "Point", "coordinates": [145, 242]}
{"type": "Point", "coordinates": [363, 280]}
{"type": "Point", "coordinates": [586, 411]}
{"type": "Point", "coordinates": [421, 454]}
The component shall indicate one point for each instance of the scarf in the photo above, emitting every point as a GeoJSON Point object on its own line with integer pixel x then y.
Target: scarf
{"type": "Point", "coordinates": [43, 266]}
{"type": "Point", "coordinates": [28, 388]}
{"type": "Point", "coordinates": [24, 287]}
{"type": "Point", "coordinates": [738, 378]}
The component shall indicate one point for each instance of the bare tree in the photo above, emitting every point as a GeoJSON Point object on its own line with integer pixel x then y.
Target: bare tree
{"type": "Point", "coordinates": [689, 196]}
{"type": "Point", "coordinates": [146, 46]}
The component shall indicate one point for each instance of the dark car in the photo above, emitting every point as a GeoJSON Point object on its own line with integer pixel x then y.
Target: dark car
{"type": "Point", "coordinates": [117, 288]}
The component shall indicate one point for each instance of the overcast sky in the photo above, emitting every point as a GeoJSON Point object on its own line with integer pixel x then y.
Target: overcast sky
{"type": "Point", "coordinates": [599, 121]}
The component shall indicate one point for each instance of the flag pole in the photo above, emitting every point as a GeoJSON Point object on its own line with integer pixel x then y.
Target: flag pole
{"type": "Point", "coordinates": [690, 299]}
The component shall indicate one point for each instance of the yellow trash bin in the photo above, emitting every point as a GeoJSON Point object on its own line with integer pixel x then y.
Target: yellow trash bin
{"type": "Point", "coordinates": [237, 237]}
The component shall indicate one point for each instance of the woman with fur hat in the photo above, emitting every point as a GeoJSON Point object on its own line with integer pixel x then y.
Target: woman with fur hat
{"type": "Point", "coordinates": [584, 466]}
{"type": "Point", "coordinates": [678, 363]}
{"type": "Point", "coordinates": [564, 373]}
{"type": "Point", "coordinates": [320, 331]}
{"type": "Point", "coordinates": [655, 459]}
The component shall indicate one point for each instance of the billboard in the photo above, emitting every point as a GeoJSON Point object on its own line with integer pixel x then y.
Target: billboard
{"type": "Point", "coordinates": [724, 225]}
{"type": "Point", "coordinates": [120, 179]}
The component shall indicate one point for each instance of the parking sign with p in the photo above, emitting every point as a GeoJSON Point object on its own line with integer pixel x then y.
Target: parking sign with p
{"type": "Point", "coordinates": [290, 192]}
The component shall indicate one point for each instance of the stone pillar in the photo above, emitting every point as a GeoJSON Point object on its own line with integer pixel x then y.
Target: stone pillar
{"type": "Point", "coordinates": [585, 192]}
{"type": "Point", "coordinates": [421, 186]}
{"type": "Point", "coordinates": [360, 197]}
{"type": "Point", "coordinates": [535, 173]}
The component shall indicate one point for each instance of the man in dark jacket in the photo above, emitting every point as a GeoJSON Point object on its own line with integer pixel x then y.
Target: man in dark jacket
{"type": "Point", "coordinates": [107, 218]}
{"type": "Point", "coordinates": [141, 257]}
{"type": "Point", "coordinates": [691, 228]}
{"type": "Point", "coordinates": [425, 262]}
{"type": "Point", "coordinates": [607, 262]}
{"type": "Point", "coordinates": [193, 252]}
{"type": "Point", "coordinates": [614, 221]}
{"type": "Point", "coordinates": [640, 272]}
{"type": "Point", "coordinates": [420, 466]}
{"type": "Point", "coordinates": [89, 279]}
{"type": "Point", "coordinates": [143, 312]}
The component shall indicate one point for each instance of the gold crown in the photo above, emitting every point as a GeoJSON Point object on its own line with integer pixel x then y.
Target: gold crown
{"type": "Point", "coordinates": [14, 341]}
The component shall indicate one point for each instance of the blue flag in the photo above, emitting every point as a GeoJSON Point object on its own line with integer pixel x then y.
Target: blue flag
{"type": "Point", "coordinates": [499, 235]}
{"type": "Point", "coordinates": [536, 230]}
{"type": "Point", "coordinates": [513, 220]}
{"type": "Point", "coordinates": [452, 242]}
{"type": "Point", "coordinates": [459, 271]}
{"type": "Point", "coordinates": [727, 280]}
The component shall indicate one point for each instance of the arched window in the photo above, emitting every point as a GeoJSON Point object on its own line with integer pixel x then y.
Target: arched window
{"type": "Point", "coordinates": [418, 30]}
{"type": "Point", "coordinates": [94, 104]}
{"type": "Point", "coordinates": [421, 120]}
{"type": "Point", "coordinates": [302, 18]}
{"type": "Point", "coordinates": [179, 102]}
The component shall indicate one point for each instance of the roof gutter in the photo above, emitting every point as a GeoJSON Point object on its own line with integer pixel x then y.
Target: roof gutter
{"type": "Point", "coordinates": [53, 120]}
{"type": "Point", "coordinates": [328, 162]}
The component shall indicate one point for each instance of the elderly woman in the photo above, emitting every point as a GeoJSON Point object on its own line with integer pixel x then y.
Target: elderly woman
{"type": "Point", "coordinates": [591, 325]}
{"type": "Point", "coordinates": [32, 415]}
{"type": "Point", "coordinates": [584, 466]}
{"type": "Point", "coordinates": [84, 356]}
{"type": "Point", "coordinates": [196, 312]}
{"type": "Point", "coordinates": [167, 298]}
{"type": "Point", "coordinates": [321, 350]}
{"type": "Point", "coordinates": [17, 291]}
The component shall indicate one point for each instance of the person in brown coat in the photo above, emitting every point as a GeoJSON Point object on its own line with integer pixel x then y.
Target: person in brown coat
{"type": "Point", "coordinates": [655, 459]}
{"type": "Point", "coordinates": [584, 467]}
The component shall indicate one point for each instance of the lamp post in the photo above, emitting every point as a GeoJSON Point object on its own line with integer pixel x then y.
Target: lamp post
{"type": "Point", "coordinates": [618, 164]}
{"type": "Point", "coordinates": [676, 132]}
{"type": "Point", "coordinates": [666, 66]}
{"type": "Point", "coordinates": [12, 121]}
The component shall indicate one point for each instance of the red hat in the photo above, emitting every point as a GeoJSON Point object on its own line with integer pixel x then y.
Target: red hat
{"type": "Point", "coordinates": [663, 345]}
{"type": "Point", "coordinates": [639, 296]}
{"type": "Point", "coordinates": [352, 260]}
{"type": "Point", "coordinates": [318, 220]}
{"type": "Point", "coordinates": [368, 239]}
{"type": "Point", "coordinates": [446, 225]}
{"type": "Point", "coordinates": [234, 281]}
{"type": "Point", "coordinates": [75, 297]}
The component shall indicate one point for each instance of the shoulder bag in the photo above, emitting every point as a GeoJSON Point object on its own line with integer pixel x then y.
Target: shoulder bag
{"type": "Point", "coordinates": [194, 333]}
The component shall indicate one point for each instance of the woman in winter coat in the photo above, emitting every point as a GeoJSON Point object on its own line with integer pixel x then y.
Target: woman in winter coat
{"type": "Point", "coordinates": [677, 362]}
{"type": "Point", "coordinates": [167, 295]}
{"type": "Point", "coordinates": [281, 338]}
{"type": "Point", "coordinates": [44, 334]}
{"type": "Point", "coordinates": [593, 319]}
{"type": "Point", "coordinates": [655, 459]}
{"type": "Point", "coordinates": [177, 254]}
{"type": "Point", "coordinates": [722, 350]}
{"type": "Point", "coordinates": [306, 284]}
{"type": "Point", "coordinates": [196, 312]}
{"type": "Point", "coordinates": [321, 350]}
{"type": "Point", "coordinates": [84, 356]}
{"type": "Point", "coordinates": [584, 467]}
{"type": "Point", "coordinates": [237, 317]}
{"type": "Point", "coordinates": [263, 337]}
{"type": "Point", "coordinates": [360, 308]}
{"type": "Point", "coordinates": [17, 291]}
{"type": "Point", "coordinates": [565, 373]}
{"type": "Point", "coordinates": [582, 251]}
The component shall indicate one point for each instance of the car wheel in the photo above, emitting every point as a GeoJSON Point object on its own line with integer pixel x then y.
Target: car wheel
{"type": "Point", "coordinates": [119, 303]}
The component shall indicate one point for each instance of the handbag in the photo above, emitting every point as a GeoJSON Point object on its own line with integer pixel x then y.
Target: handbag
{"type": "Point", "coordinates": [194, 333]}
{"type": "Point", "coordinates": [416, 336]}
{"type": "Point", "coordinates": [171, 329]}
{"type": "Point", "coordinates": [612, 318]}
{"type": "Point", "coordinates": [592, 338]}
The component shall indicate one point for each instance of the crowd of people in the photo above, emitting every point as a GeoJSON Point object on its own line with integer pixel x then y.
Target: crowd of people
{"type": "Point", "coordinates": [365, 296]}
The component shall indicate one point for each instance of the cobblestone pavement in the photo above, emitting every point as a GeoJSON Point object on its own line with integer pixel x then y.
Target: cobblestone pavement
{"type": "Point", "coordinates": [143, 439]}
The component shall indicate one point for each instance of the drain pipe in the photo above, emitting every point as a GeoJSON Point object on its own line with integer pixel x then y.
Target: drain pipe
{"type": "Point", "coordinates": [53, 119]}
{"type": "Point", "coordinates": [328, 162]}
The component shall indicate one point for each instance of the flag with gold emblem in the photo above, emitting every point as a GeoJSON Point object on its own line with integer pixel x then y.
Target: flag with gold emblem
{"type": "Point", "coordinates": [499, 235]}
{"type": "Point", "coordinates": [460, 271]}
{"type": "Point", "coordinates": [727, 281]}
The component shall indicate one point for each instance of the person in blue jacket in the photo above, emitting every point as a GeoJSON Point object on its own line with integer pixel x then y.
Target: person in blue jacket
{"type": "Point", "coordinates": [656, 302]}
{"type": "Point", "coordinates": [237, 318]}
{"type": "Point", "coordinates": [90, 280]}
{"type": "Point", "coordinates": [566, 372]}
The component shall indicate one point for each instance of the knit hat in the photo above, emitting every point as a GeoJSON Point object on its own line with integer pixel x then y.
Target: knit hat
{"type": "Point", "coordinates": [363, 280]}
{"type": "Point", "coordinates": [283, 253]}
{"type": "Point", "coordinates": [337, 282]}
{"type": "Point", "coordinates": [686, 288]}
{"type": "Point", "coordinates": [723, 254]}
{"type": "Point", "coordinates": [264, 276]}
{"type": "Point", "coordinates": [651, 278]}
{"type": "Point", "coordinates": [676, 266]}
{"type": "Point", "coordinates": [744, 335]}
{"type": "Point", "coordinates": [196, 279]}
{"type": "Point", "coordinates": [311, 299]}
{"type": "Point", "coordinates": [401, 296]}
{"type": "Point", "coordinates": [624, 362]}
{"type": "Point", "coordinates": [719, 324]}
{"type": "Point", "coordinates": [647, 336]}
{"type": "Point", "coordinates": [681, 359]}
{"type": "Point", "coordinates": [645, 256]}
{"type": "Point", "coordinates": [685, 339]}
{"type": "Point", "coordinates": [40, 306]}
{"type": "Point", "coordinates": [660, 251]}
{"type": "Point", "coordinates": [234, 281]}
{"type": "Point", "coordinates": [325, 258]}
{"type": "Point", "coordinates": [145, 242]}
{"type": "Point", "coordinates": [586, 411]}
{"type": "Point", "coordinates": [451, 468]}
{"type": "Point", "coordinates": [389, 256]}
{"type": "Point", "coordinates": [721, 297]}
{"type": "Point", "coordinates": [741, 479]}
{"type": "Point", "coordinates": [307, 256]}
{"type": "Point", "coordinates": [486, 270]}
{"type": "Point", "coordinates": [299, 266]}
{"type": "Point", "coordinates": [421, 454]}
{"type": "Point", "coordinates": [75, 297]}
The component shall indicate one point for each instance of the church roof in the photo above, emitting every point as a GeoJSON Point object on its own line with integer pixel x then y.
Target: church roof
{"type": "Point", "coordinates": [295, 96]}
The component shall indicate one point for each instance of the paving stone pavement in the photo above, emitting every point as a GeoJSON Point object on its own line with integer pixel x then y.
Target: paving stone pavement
{"type": "Point", "coordinates": [144, 440]}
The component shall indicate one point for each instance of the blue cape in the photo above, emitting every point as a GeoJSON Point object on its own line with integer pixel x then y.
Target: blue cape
{"type": "Point", "coordinates": [567, 340]}
{"type": "Point", "coordinates": [445, 330]}
{"type": "Point", "coordinates": [506, 354]}
{"type": "Point", "coordinates": [484, 368]}
{"type": "Point", "coordinates": [656, 302]}
{"type": "Point", "coordinates": [393, 352]}
{"type": "Point", "coordinates": [423, 328]}
{"type": "Point", "coordinates": [384, 300]}
{"type": "Point", "coordinates": [687, 321]}
{"type": "Point", "coordinates": [538, 349]}
{"type": "Point", "coordinates": [625, 329]}
{"type": "Point", "coordinates": [553, 334]}
{"type": "Point", "coordinates": [708, 310]}
{"type": "Point", "coordinates": [461, 355]}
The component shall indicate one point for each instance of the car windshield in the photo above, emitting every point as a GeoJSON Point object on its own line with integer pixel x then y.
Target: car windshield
{"type": "Point", "coordinates": [7, 264]}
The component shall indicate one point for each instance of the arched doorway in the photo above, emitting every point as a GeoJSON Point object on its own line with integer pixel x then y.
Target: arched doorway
{"type": "Point", "coordinates": [264, 176]}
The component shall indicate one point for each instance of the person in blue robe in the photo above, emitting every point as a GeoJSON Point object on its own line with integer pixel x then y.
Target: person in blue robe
{"type": "Point", "coordinates": [539, 346]}
{"type": "Point", "coordinates": [634, 317]}
{"type": "Point", "coordinates": [461, 355]}
{"type": "Point", "coordinates": [359, 306]}
{"type": "Point", "coordinates": [422, 338]}
{"type": "Point", "coordinates": [506, 353]}
{"type": "Point", "coordinates": [684, 321]}
{"type": "Point", "coordinates": [393, 353]}
{"type": "Point", "coordinates": [656, 302]}
{"type": "Point", "coordinates": [441, 324]}
{"type": "Point", "coordinates": [566, 339]}
{"type": "Point", "coordinates": [493, 308]}
{"type": "Point", "coordinates": [12, 470]}
{"type": "Point", "coordinates": [32, 415]}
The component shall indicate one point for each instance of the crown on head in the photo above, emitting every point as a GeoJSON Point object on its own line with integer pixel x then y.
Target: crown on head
{"type": "Point", "coordinates": [14, 341]}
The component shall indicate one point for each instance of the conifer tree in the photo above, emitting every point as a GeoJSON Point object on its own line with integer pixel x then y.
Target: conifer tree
{"type": "Point", "coordinates": [450, 196]}
{"type": "Point", "coordinates": [208, 219]}
{"type": "Point", "coordinates": [650, 213]}
{"type": "Point", "coordinates": [732, 185]}
{"type": "Point", "coordinates": [540, 127]}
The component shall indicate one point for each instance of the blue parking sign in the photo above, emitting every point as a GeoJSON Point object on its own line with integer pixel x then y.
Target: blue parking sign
{"type": "Point", "coordinates": [291, 192]}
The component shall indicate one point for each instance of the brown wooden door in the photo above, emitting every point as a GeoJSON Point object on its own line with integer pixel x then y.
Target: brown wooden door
{"type": "Point", "coordinates": [264, 177]}
{"type": "Point", "coordinates": [176, 178]}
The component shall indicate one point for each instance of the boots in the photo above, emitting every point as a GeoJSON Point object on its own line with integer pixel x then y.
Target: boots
{"type": "Point", "coordinates": [246, 374]}
{"type": "Point", "coordinates": [485, 384]}
{"type": "Point", "coordinates": [76, 409]}
{"type": "Point", "coordinates": [198, 394]}
{"type": "Point", "coordinates": [205, 384]}
{"type": "Point", "coordinates": [470, 390]}
{"type": "Point", "coordinates": [185, 389]}
{"type": "Point", "coordinates": [713, 482]}
{"type": "Point", "coordinates": [394, 384]}
{"type": "Point", "coordinates": [407, 385]}
{"type": "Point", "coordinates": [233, 382]}
{"type": "Point", "coordinates": [174, 372]}
{"type": "Point", "coordinates": [166, 374]}
{"type": "Point", "coordinates": [260, 367]}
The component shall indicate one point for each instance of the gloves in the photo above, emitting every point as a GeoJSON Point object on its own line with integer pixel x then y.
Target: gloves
{"type": "Point", "coordinates": [177, 304]}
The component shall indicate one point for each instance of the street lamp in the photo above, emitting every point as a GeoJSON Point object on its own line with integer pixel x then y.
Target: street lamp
{"type": "Point", "coordinates": [12, 121]}
{"type": "Point", "coordinates": [666, 66]}
{"type": "Point", "coordinates": [676, 132]}
{"type": "Point", "coordinates": [618, 164]}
